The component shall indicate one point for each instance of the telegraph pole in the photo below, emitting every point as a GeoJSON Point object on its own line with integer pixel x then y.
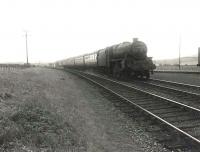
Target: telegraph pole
{"type": "Point", "coordinates": [26, 48]}
{"type": "Point", "coordinates": [179, 59]}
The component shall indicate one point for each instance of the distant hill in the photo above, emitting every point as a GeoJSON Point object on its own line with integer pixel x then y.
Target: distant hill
{"type": "Point", "coordinates": [184, 61]}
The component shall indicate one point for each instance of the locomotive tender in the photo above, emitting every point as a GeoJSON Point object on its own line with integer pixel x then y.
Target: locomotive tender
{"type": "Point", "coordinates": [124, 59]}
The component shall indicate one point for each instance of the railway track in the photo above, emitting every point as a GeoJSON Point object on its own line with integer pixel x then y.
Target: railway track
{"type": "Point", "coordinates": [181, 121]}
{"type": "Point", "coordinates": [183, 93]}
{"type": "Point", "coordinates": [177, 85]}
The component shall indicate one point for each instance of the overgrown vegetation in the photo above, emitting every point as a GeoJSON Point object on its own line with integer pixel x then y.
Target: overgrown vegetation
{"type": "Point", "coordinates": [34, 125]}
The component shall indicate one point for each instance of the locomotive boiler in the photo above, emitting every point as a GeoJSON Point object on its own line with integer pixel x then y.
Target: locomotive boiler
{"type": "Point", "coordinates": [124, 59]}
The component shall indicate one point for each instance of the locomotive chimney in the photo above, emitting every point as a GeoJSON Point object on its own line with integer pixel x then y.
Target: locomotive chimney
{"type": "Point", "coordinates": [198, 57]}
{"type": "Point", "coordinates": [135, 39]}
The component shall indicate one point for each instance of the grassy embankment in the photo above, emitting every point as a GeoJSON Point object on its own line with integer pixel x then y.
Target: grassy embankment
{"type": "Point", "coordinates": [34, 126]}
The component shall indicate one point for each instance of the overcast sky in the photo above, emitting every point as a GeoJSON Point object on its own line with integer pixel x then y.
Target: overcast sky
{"type": "Point", "coordinates": [59, 29]}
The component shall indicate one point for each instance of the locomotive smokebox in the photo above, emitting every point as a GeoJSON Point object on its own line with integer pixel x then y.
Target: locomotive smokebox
{"type": "Point", "coordinates": [198, 57]}
{"type": "Point", "coordinates": [135, 39]}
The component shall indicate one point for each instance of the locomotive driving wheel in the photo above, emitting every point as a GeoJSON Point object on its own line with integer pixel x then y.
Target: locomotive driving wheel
{"type": "Point", "coordinates": [146, 74]}
{"type": "Point", "coordinates": [117, 70]}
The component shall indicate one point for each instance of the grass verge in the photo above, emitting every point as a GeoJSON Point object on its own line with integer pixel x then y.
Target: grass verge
{"type": "Point", "coordinates": [34, 127]}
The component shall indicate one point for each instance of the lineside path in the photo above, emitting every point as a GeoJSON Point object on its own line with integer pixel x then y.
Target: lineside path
{"type": "Point", "coordinates": [51, 110]}
{"type": "Point", "coordinates": [193, 79]}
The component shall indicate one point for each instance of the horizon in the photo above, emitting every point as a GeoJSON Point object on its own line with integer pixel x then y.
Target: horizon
{"type": "Point", "coordinates": [175, 58]}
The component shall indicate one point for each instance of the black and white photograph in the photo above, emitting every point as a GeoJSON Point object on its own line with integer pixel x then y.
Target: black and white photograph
{"type": "Point", "coordinates": [99, 76]}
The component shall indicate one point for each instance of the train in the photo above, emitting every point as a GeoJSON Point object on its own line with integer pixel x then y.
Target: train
{"type": "Point", "coordinates": [127, 59]}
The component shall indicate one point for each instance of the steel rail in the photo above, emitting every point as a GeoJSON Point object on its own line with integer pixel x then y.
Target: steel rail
{"type": "Point", "coordinates": [178, 90]}
{"type": "Point", "coordinates": [177, 83]}
{"type": "Point", "coordinates": [152, 94]}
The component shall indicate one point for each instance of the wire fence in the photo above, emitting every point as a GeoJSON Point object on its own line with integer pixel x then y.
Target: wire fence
{"type": "Point", "coordinates": [13, 66]}
{"type": "Point", "coordinates": [183, 68]}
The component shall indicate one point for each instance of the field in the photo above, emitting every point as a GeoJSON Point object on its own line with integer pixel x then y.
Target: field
{"type": "Point", "coordinates": [184, 61]}
{"type": "Point", "coordinates": [29, 121]}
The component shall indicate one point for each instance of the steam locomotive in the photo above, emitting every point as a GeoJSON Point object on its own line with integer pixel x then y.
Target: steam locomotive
{"type": "Point", "coordinates": [124, 59]}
